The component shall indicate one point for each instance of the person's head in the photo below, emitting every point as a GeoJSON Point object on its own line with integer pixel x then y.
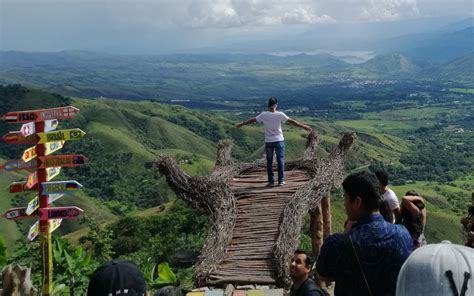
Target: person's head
{"type": "Point", "coordinates": [361, 195]}
{"type": "Point", "coordinates": [419, 204]}
{"type": "Point", "coordinates": [382, 176]}
{"type": "Point", "coordinates": [272, 103]}
{"type": "Point", "coordinates": [117, 277]}
{"type": "Point", "coordinates": [300, 266]}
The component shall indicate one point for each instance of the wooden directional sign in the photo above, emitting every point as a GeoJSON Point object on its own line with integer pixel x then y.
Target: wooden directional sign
{"type": "Point", "coordinates": [60, 187]}
{"type": "Point", "coordinates": [61, 212]}
{"type": "Point", "coordinates": [67, 160]}
{"type": "Point", "coordinates": [40, 115]}
{"type": "Point", "coordinates": [18, 165]}
{"type": "Point", "coordinates": [30, 153]}
{"type": "Point", "coordinates": [18, 214]}
{"type": "Point", "coordinates": [34, 230]}
{"type": "Point", "coordinates": [32, 179]}
{"type": "Point", "coordinates": [17, 138]}
{"type": "Point", "coordinates": [61, 135]}
{"type": "Point", "coordinates": [33, 205]}
{"type": "Point", "coordinates": [16, 187]}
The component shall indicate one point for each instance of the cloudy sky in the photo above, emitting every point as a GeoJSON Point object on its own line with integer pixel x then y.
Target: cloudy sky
{"type": "Point", "coordinates": [171, 25]}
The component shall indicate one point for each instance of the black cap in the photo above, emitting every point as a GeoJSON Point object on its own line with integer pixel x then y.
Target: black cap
{"type": "Point", "coordinates": [272, 101]}
{"type": "Point", "coordinates": [117, 277]}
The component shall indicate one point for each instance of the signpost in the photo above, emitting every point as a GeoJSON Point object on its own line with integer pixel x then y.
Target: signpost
{"type": "Point", "coordinates": [39, 129]}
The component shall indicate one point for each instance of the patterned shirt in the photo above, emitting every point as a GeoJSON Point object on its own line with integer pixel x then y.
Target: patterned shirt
{"type": "Point", "coordinates": [381, 247]}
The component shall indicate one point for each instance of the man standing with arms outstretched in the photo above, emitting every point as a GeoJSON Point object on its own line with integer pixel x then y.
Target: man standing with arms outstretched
{"type": "Point", "coordinates": [274, 141]}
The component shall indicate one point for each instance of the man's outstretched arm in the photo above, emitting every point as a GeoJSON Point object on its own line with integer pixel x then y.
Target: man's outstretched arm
{"type": "Point", "coordinates": [298, 124]}
{"type": "Point", "coordinates": [251, 120]}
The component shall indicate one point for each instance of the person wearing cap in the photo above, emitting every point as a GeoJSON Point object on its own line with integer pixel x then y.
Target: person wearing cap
{"type": "Point", "coordinates": [274, 140]}
{"type": "Point", "coordinates": [117, 277]}
{"type": "Point", "coordinates": [366, 259]}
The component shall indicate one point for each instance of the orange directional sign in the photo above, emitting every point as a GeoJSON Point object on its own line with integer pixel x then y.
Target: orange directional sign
{"type": "Point", "coordinates": [61, 135]}
{"type": "Point", "coordinates": [61, 212]}
{"type": "Point", "coordinates": [61, 160]}
{"type": "Point", "coordinates": [18, 165]}
{"type": "Point", "coordinates": [17, 138]}
{"type": "Point", "coordinates": [34, 230]}
{"type": "Point", "coordinates": [18, 214]}
{"type": "Point", "coordinates": [16, 187]}
{"type": "Point", "coordinates": [30, 153]}
{"type": "Point", "coordinates": [40, 115]}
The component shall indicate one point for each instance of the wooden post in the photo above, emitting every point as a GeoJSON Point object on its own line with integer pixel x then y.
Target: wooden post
{"type": "Point", "coordinates": [45, 235]}
{"type": "Point", "coordinates": [326, 210]}
{"type": "Point", "coordinates": [316, 229]}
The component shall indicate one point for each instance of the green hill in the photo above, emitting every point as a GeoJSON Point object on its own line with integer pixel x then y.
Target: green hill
{"type": "Point", "coordinates": [124, 138]}
{"type": "Point", "coordinates": [394, 64]}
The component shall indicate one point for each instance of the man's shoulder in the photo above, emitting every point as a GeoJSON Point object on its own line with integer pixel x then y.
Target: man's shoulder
{"type": "Point", "coordinates": [389, 193]}
{"type": "Point", "coordinates": [310, 288]}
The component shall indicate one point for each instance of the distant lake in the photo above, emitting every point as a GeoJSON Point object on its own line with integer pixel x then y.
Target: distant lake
{"type": "Point", "coordinates": [351, 57]}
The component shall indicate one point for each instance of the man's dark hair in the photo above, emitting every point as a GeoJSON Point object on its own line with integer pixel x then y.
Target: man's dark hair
{"type": "Point", "coordinates": [411, 193]}
{"type": "Point", "coordinates": [272, 101]}
{"type": "Point", "coordinates": [382, 176]}
{"type": "Point", "coordinates": [309, 259]}
{"type": "Point", "coordinates": [471, 210]}
{"type": "Point", "coordinates": [366, 186]}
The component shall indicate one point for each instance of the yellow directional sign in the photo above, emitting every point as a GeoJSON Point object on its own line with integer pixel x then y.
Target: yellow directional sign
{"type": "Point", "coordinates": [61, 135]}
{"type": "Point", "coordinates": [51, 147]}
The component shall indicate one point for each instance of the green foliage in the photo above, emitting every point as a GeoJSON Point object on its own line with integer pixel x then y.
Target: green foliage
{"type": "Point", "coordinates": [28, 254]}
{"type": "Point", "coordinates": [72, 267]}
{"type": "Point", "coordinates": [178, 229]}
{"type": "Point", "coordinates": [158, 275]}
{"type": "Point", "coordinates": [99, 238]}
{"type": "Point", "coordinates": [3, 253]}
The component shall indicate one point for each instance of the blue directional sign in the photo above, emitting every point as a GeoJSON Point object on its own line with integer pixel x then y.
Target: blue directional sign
{"type": "Point", "coordinates": [60, 187]}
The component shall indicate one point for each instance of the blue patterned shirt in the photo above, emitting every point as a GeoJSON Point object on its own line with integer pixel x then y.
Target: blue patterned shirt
{"type": "Point", "coordinates": [382, 248]}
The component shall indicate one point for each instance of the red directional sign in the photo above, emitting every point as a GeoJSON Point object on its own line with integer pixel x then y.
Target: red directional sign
{"type": "Point", "coordinates": [32, 179]}
{"type": "Point", "coordinates": [61, 160]}
{"type": "Point", "coordinates": [40, 115]}
{"type": "Point", "coordinates": [17, 138]}
{"type": "Point", "coordinates": [61, 212]}
{"type": "Point", "coordinates": [16, 187]}
{"type": "Point", "coordinates": [18, 214]}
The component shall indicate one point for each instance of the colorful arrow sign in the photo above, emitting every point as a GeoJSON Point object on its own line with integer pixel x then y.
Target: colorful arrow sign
{"type": "Point", "coordinates": [40, 115]}
{"type": "Point", "coordinates": [60, 187]}
{"type": "Point", "coordinates": [17, 138]}
{"type": "Point", "coordinates": [32, 179]}
{"type": "Point", "coordinates": [67, 160]}
{"type": "Point", "coordinates": [18, 165]}
{"type": "Point", "coordinates": [61, 212]}
{"type": "Point", "coordinates": [61, 135]}
{"type": "Point", "coordinates": [30, 153]}
{"type": "Point", "coordinates": [34, 230]}
{"type": "Point", "coordinates": [29, 128]}
{"type": "Point", "coordinates": [18, 214]}
{"type": "Point", "coordinates": [33, 205]}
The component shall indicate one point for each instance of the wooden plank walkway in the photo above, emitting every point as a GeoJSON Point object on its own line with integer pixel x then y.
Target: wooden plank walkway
{"type": "Point", "coordinates": [249, 257]}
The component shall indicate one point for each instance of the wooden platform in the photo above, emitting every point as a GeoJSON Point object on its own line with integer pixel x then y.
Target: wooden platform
{"type": "Point", "coordinates": [249, 257]}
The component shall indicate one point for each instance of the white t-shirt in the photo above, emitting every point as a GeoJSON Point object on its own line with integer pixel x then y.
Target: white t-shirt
{"type": "Point", "coordinates": [272, 122]}
{"type": "Point", "coordinates": [391, 198]}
